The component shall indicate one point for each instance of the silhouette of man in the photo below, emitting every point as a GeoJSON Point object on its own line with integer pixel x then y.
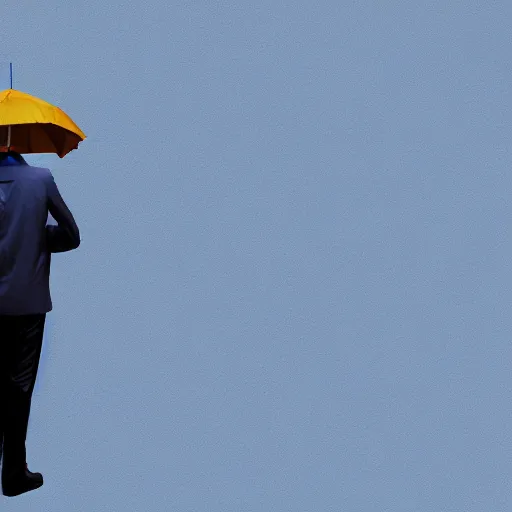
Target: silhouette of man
{"type": "Point", "coordinates": [27, 194]}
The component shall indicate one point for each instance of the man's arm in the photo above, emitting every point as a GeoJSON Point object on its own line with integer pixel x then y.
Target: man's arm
{"type": "Point", "coordinates": [65, 236]}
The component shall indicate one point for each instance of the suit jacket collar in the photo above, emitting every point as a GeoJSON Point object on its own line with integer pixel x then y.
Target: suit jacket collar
{"type": "Point", "coordinates": [12, 161]}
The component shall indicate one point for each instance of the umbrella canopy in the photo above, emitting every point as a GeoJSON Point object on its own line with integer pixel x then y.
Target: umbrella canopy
{"type": "Point", "coordinates": [31, 125]}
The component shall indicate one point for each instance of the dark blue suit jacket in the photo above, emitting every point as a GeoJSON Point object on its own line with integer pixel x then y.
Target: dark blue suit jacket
{"type": "Point", "coordinates": [27, 195]}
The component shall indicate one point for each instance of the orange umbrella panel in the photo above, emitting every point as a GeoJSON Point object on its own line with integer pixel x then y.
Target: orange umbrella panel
{"type": "Point", "coordinates": [38, 138]}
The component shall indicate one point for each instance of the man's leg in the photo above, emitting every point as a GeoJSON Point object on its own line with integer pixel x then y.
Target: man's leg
{"type": "Point", "coordinates": [8, 338]}
{"type": "Point", "coordinates": [23, 363]}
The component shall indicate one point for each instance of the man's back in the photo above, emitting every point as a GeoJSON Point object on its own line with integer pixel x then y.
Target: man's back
{"type": "Point", "coordinates": [27, 194]}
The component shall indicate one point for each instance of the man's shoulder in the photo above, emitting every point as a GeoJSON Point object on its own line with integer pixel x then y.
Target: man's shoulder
{"type": "Point", "coordinates": [25, 173]}
{"type": "Point", "coordinates": [41, 173]}
{"type": "Point", "coordinates": [36, 169]}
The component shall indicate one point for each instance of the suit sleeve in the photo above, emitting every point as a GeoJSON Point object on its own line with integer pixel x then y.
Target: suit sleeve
{"type": "Point", "coordinates": [66, 235]}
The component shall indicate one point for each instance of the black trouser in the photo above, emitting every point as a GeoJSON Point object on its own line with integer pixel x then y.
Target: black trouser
{"type": "Point", "coordinates": [21, 340]}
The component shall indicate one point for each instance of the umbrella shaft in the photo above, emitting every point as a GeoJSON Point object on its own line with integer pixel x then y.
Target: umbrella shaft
{"type": "Point", "coordinates": [9, 138]}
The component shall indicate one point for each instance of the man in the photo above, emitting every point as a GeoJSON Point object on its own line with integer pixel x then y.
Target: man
{"type": "Point", "coordinates": [27, 194]}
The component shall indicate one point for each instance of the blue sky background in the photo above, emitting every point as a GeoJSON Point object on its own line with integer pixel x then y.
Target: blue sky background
{"type": "Point", "coordinates": [293, 290]}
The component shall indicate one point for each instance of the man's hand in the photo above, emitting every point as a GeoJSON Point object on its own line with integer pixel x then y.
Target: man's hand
{"type": "Point", "coordinates": [59, 240]}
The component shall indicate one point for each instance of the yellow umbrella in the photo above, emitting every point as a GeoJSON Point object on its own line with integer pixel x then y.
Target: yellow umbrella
{"type": "Point", "coordinates": [31, 125]}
